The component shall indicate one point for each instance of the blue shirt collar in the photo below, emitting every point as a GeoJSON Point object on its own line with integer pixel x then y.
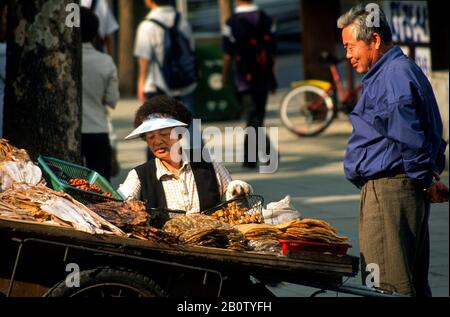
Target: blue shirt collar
{"type": "Point", "coordinates": [391, 54]}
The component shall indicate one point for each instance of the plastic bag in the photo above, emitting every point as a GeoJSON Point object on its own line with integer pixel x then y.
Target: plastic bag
{"type": "Point", "coordinates": [280, 211]}
{"type": "Point", "coordinates": [265, 245]}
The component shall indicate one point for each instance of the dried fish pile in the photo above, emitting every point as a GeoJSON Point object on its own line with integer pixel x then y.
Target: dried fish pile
{"type": "Point", "coordinates": [46, 205]}
{"type": "Point", "coordinates": [11, 153]}
{"type": "Point", "coordinates": [304, 230]}
{"type": "Point", "coordinates": [198, 229]}
{"type": "Point", "coordinates": [122, 214]}
{"type": "Point", "coordinates": [310, 230]}
{"type": "Point", "coordinates": [259, 231]}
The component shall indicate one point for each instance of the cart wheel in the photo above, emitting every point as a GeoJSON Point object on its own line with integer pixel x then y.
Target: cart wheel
{"type": "Point", "coordinates": [108, 282]}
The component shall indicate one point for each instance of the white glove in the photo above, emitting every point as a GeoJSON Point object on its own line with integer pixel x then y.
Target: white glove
{"type": "Point", "coordinates": [238, 188]}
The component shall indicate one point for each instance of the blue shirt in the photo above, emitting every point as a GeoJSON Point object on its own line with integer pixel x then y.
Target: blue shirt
{"type": "Point", "coordinates": [397, 126]}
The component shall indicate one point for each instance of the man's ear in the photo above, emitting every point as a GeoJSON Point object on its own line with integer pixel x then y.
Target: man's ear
{"type": "Point", "coordinates": [376, 40]}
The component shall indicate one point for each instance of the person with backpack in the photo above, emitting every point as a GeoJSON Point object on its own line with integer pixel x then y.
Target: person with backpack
{"type": "Point", "coordinates": [165, 48]}
{"type": "Point", "coordinates": [249, 43]}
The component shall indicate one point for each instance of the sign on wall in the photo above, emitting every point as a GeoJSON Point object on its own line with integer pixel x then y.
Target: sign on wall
{"type": "Point", "coordinates": [423, 59]}
{"type": "Point", "coordinates": [409, 21]}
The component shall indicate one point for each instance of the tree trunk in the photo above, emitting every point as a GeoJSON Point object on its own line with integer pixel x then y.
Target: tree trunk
{"type": "Point", "coordinates": [319, 33]}
{"type": "Point", "coordinates": [127, 74]}
{"type": "Point", "coordinates": [43, 79]}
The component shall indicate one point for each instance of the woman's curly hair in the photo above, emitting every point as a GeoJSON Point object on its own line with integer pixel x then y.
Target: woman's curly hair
{"type": "Point", "coordinates": [164, 106]}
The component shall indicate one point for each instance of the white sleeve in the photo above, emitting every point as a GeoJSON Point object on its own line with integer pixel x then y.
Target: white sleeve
{"type": "Point", "coordinates": [131, 188]}
{"type": "Point", "coordinates": [108, 23]}
{"type": "Point", "coordinates": [142, 44]}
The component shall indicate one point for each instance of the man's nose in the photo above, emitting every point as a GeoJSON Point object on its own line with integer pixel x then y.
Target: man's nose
{"type": "Point", "coordinates": [348, 55]}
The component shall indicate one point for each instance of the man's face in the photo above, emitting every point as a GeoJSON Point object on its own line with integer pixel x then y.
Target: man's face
{"type": "Point", "coordinates": [160, 143]}
{"type": "Point", "coordinates": [361, 56]}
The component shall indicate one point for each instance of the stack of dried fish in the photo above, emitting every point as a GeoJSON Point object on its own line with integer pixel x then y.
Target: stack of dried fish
{"type": "Point", "coordinates": [310, 230]}
{"type": "Point", "coordinates": [45, 204]}
{"type": "Point", "coordinates": [304, 230]}
{"type": "Point", "coordinates": [259, 231]}
{"type": "Point", "coordinates": [198, 229]}
{"type": "Point", "coordinates": [16, 167]}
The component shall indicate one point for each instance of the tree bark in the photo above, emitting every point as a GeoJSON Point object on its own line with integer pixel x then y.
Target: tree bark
{"type": "Point", "coordinates": [127, 73]}
{"type": "Point", "coordinates": [43, 79]}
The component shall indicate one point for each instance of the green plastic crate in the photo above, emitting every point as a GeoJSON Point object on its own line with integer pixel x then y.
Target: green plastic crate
{"type": "Point", "coordinates": [58, 173]}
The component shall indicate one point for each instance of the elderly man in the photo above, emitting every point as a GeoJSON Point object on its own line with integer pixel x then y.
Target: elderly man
{"type": "Point", "coordinates": [395, 154]}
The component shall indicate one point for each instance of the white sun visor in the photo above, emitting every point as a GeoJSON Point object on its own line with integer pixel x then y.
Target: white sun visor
{"type": "Point", "coordinates": [153, 124]}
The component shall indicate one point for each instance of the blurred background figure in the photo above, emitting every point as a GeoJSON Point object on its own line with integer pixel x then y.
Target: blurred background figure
{"type": "Point", "coordinates": [104, 43]}
{"type": "Point", "coordinates": [3, 13]}
{"type": "Point", "coordinates": [107, 24]}
{"type": "Point", "coordinates": [249, 42]}
{"type": "Point", "coordinates": [100, 89]}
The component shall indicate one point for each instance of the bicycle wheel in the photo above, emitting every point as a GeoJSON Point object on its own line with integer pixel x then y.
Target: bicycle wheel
{"type": "Point", "coordinates": [108, 282]}
{"type": "Point", "coordinates": [307, 110]}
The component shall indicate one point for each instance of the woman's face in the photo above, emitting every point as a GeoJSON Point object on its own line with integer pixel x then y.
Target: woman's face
{"type": "Point", "coordinates": [163, 144]}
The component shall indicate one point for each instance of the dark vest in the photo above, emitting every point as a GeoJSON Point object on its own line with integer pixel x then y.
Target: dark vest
{"type": "Point", "coordinates": [152, 191]}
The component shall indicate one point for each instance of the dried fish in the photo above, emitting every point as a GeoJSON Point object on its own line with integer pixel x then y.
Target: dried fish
{"type": "Point", "coordinates": [203, 230]}
{"type": "Point", "coordinates": [45, 204]}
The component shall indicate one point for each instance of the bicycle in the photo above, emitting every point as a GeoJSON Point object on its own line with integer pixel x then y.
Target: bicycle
{"type": "Point", "coordinates": [311, 105]}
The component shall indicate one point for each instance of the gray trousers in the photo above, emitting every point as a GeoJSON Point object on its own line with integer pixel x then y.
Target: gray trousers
{"type": "Point", "coordinates": [393, 233]}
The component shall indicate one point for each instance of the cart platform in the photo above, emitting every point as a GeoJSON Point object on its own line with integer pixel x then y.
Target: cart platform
{"type": "Point", "coordinates": [26, 244]}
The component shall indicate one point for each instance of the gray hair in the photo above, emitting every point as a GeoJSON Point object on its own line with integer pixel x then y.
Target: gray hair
{"type": "Point", "coordinates": [361, 17]}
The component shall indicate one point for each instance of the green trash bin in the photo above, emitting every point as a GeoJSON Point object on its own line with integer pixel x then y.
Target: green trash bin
{"type": "Point", "coordinates": [212, 102]}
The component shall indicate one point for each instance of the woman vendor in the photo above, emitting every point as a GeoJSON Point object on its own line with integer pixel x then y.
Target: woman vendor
{"type": "Point", "coordinates": [170, 180]}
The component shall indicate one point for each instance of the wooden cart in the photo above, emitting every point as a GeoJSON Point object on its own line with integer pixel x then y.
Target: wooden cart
{"type": "Point", "coordinates": [44, 260]}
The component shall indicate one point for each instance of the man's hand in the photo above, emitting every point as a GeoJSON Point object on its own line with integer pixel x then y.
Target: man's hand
{"type": "Point", "coordinates": [238, 188]}
{"type": "Point", "coordinates": [438, 192]}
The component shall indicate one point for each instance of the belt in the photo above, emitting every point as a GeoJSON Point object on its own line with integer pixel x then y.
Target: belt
{"type": "Point", "coordinates": [384, 174]}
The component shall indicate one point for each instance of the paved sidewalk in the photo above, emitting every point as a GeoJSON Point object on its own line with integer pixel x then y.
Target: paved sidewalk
{"type": "Point", "coordinates": [310, 170]}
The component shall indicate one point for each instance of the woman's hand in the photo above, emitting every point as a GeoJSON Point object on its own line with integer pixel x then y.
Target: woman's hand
{"type": "Point", "coordinates": [238, 188]}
